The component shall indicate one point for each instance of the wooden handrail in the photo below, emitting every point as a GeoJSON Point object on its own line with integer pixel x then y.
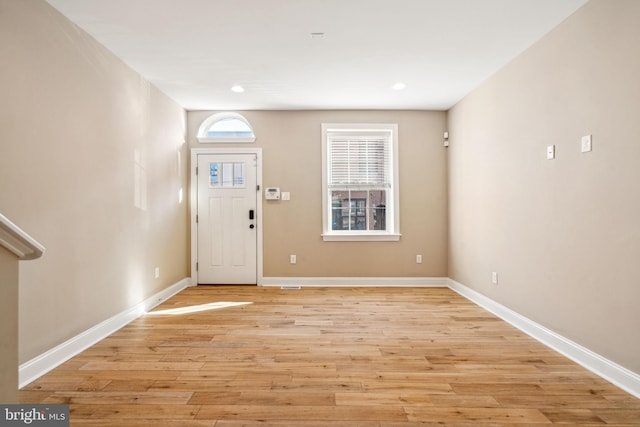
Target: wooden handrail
{"type": "Point", "coordinates": [17, 241]}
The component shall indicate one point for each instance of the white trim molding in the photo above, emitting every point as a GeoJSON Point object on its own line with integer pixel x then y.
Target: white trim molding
{"type": "Point", "coordinates": [413, 282]}
{"type": "Point", "coordinates": [18, 241]}
{"type": "Point", "coordinates": [40, 365]}
{"type": "Point", "coordinates": [618, 375]}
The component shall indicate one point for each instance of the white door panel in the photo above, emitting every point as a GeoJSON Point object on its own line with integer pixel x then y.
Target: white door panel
{"type": "Point", "coordinates": [215, 223]}
{"type": "Point", "coordinates": [227, 236]}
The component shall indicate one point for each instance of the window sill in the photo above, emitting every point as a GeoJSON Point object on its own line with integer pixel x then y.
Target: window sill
{"type": "Point", "coordinates": [381, 237]}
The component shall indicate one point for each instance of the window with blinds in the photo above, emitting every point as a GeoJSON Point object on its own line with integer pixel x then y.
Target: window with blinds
{"type": "Point", "coordinates": [360, 182]}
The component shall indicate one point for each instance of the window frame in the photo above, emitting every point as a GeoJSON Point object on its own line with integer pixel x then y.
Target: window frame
{"type": "Point", "coordinates": [392, 233]}
{"type": "Point", "coordinates": [217, 117]}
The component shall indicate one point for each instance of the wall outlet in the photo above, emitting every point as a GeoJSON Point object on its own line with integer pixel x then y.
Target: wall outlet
{"type": "Point", "coordinates": [418, 259]}
{"type": "Point", "coordinates": [156, 272]}
{"type": "Point", "coordinates": [494, 278]}
{"type": "Point", "coordinates": [292, 259]}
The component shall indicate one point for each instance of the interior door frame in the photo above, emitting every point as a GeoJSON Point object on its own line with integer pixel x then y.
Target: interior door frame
{"type": "Point", "coordinates": [193, 203]}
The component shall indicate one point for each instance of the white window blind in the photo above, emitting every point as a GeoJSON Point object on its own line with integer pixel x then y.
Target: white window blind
{"type": "Point", "coordinates": [358, 161]}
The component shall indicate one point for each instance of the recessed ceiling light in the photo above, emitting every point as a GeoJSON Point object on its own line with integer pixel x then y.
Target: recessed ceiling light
{"type": "Point", "coordinates": [317, 35]}
{"type": "Point", "coordinates": [237, 89]}
{"type": "Point", "coordinates": [399, 86]}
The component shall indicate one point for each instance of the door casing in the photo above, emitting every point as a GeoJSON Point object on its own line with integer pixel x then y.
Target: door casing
{"type": "Point", "coordinates": [193, 200]}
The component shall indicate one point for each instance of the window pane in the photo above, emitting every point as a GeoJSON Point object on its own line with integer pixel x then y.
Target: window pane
{"type": "Point", "coordinates": [227, 174]}
{"type": "Point", "coordinates": [238, 174]}
{"type": "Point", "coordinates": [229, 128]}
{"type": "Point", "coordinates": [377, 202]}
{"type": "Point", "coordinates": [214, 174]}
{"type": "Point", "coordinates": [358, 210]}
{"type": "Point", "coordinates": [340, 210]}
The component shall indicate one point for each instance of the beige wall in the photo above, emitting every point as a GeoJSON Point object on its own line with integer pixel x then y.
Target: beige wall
{"type": "Point", "coordinates": [291, 142]}
{"type": "Point", "coordinates": [71, 118]}
{"type": "Point", "coordinates": [8, 326]}
{"type": "Point", "coordinates": [563, 234]}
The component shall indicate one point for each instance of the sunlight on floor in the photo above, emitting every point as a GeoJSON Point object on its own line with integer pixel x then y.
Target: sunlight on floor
{"type": "Point", "coordinates": [198, 308]}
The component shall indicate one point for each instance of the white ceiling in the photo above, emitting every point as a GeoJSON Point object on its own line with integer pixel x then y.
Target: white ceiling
{"type": "Point", "coordinates": [195, 50]}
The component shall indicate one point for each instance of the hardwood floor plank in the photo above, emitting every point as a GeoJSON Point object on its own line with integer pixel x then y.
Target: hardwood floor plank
{"type": "Point", "coordinates": [517, 400]}
{"type": "Point", "coordinates": [330, 384]}
{"type": "Point", "coordinates": [429, 388]}
{"type": "Point", "coordinates": [265, 397]}
{"type": "Point", "coordinates": [573, 416]}
{"type": "Point", "coordinates": [619, 415]}
{"type": "Point", "coordinates": [464, 401]}
{"type": "Point", "coordinates": [382, 398]}
{"type": "Point", "coordinates": [208, 386]}
{"type": "Point", "coordinates": [119, 397]}
{"type": "Point", "coordinates": [500, 389]}
{"type": "Point", "coordinates": [302, 413]}
{"type": "Point", "coordinates": [145, 423]}
{"type": "Point", "coordinates": [330, 357]}
{"type": "Point", "coordinates": [479, 415]}
{"type": "Point", "coordinates": [124, 412]}
{"type": "Point", "coordinates": [298, 423]}
{"type": "Point", "coordinates": [145, 365]}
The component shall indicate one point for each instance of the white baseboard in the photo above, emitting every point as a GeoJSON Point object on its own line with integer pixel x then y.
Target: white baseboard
{"type": "Point", "coordinates": [40, 365]}
{"type": "Point", "coordinates": [601, 366]}
{"type": "Point", "coordinates": [414, 282]}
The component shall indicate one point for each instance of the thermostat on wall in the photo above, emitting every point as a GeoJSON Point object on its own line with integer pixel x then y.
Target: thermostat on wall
{"type": "Point", "coordinates": [272, 193]}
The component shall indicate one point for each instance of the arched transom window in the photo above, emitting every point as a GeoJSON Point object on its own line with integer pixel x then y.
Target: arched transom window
{"type": "Point", "coordinates": [226, 127]}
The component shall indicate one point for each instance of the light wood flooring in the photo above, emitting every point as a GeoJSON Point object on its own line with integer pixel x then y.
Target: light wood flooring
{"type": "Point", "coordinates": [327, 357]}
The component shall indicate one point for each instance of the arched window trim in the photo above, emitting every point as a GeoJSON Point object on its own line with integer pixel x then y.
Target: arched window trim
{"type": "Point", "coordinates": [213, 119]}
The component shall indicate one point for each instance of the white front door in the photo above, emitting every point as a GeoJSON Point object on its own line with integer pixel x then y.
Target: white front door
{"type": "Point", "coordinates": [227, 197]}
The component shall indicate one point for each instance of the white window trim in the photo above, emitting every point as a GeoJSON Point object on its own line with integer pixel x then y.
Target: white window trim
{"type": "Point", "coordinates": [329, 235]}
{"type": "Point", "coordinates": [204, 128]}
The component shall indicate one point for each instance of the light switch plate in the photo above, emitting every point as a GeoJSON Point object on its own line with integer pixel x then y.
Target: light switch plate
{"type": "Point", "coordinates": [586, 143]}
{"type": "Point", "coordinates": [551, 152]}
